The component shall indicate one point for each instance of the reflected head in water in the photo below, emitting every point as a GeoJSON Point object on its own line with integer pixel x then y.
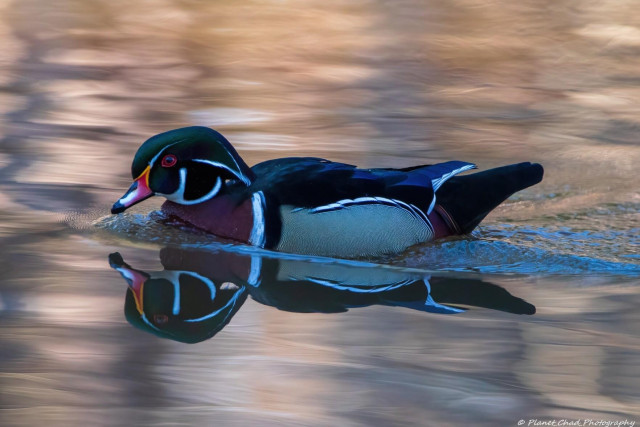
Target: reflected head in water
{"type": "Point", "coordinates": [198, 292]}
{"type": "Point", "coordinates": [314, 206]}
{"type": "Point", "coordinates": [177, 304]}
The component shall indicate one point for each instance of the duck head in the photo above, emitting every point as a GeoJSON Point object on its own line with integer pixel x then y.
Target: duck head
{"type": "Point", "coordinates": [187, 166]}
{"type": "Point", "coordinates": [180, 305]}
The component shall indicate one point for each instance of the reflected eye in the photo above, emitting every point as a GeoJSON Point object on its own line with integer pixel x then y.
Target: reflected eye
{"type": "Point", "coordinates": [160, 319]}
{"type": "Point", "coordinates": [169, 160]}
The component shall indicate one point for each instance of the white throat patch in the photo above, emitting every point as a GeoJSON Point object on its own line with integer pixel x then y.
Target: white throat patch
{"type": "Point", "coordinates": [223, 166]}
{"type": "Point", "coordinates": [178, 195]}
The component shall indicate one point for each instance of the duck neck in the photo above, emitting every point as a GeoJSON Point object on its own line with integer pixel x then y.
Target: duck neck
{"type": "Point", "coordinates": [223, 216]}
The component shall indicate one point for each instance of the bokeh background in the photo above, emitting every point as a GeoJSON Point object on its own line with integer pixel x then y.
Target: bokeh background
{"type": "Point", "coordinates": [83, 83]}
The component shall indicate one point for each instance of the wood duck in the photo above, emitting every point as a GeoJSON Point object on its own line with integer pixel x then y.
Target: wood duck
{"type": "Point", "coordinates": [310, 205]}
{"type": "Point", "coordinates": [198, 292]}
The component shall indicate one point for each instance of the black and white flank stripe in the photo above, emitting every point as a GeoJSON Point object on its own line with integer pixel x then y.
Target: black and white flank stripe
{"type": "Point", "coordinates": [377, 201]}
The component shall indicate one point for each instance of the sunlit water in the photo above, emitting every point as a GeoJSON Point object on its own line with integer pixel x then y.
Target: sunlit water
{"type": "Point", "coordinates": [371, 83]}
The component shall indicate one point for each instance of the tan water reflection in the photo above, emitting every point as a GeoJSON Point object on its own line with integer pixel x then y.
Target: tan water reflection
{"type": "Point", "coordinates": [374, 83]}
{"type": "Point", "coordinates": [69, 356]}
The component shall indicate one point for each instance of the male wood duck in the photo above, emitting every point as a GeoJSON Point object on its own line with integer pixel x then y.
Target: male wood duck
{"type": "Point", "coordinates": [310, 205]}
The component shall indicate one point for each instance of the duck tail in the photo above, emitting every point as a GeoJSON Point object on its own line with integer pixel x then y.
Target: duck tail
{"type": "Point", "coordinates": [468, 199]}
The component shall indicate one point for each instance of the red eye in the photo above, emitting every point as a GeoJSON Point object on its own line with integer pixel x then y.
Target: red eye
{"type": "Point", "coordinates": [160, 319]}
{"type": "Point", "coordinates": [169, 160]}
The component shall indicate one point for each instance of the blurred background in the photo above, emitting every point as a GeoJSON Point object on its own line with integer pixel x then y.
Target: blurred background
{"type": "Point", "coordinates": [83, 83]}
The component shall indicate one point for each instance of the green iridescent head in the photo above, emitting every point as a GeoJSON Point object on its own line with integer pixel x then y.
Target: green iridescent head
{"type": "Point", "coordinates": [187, 166]}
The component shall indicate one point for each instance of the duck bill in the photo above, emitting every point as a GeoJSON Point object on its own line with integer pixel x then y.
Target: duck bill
{"type": "Point", "coordinates": [135, 278]}
{"type": "Point", "coordinates": [138, 192]}
{"type": "Point", "coordinates": [136, 281]}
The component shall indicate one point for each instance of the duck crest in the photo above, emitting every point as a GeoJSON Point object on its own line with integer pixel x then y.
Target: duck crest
{"type": "Point", "coordinates": [196, 143]}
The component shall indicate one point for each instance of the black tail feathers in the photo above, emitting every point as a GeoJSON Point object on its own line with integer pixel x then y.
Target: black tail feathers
{"type": "Point", "coordinates": [469, 198]}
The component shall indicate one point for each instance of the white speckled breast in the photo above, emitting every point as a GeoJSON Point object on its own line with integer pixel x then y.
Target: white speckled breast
{"type": "Point", "coordinates": [351, 231]}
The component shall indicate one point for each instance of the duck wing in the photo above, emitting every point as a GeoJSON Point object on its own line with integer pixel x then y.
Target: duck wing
{"type": "Point", "coordinates": [315, 183]}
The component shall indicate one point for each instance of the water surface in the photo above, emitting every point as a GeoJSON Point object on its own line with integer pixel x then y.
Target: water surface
{"type": "Point", "coordinates": [83, 83]}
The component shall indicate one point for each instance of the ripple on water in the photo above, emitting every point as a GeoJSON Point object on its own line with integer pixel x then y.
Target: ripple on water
{"type": "Point", "coordinates": [602, 240]}
{"type": "Point", "coordinates": [153, 227]}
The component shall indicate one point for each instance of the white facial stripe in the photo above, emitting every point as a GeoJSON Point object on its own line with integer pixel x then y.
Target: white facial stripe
{"type": "Point", "coordinates": [207, 196]}
{"type": "Point", "coordinates": [178, 195]}
{"type": "Point", "coordinates": [232, 302]}
{"type": "Point", "coordinates": [223, 166]}
{"type": "Point", "coordinates": [173, 276]}
{"type": "Point", "coordinates": [183, 183]}
{"type": "Point", "coordinates": [153, 160]}
{"type": "Point", "coordinates": [206, 281]}
{"type": "Point", "coordinates": [176, 297]}
{"type": "Point", "coordinates": [257, 237]}
{"type": "Point", "coordinates": [244, 179]}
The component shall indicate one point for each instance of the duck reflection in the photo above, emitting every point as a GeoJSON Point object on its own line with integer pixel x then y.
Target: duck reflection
{"type": "Point", "coordinates": [198, 292]}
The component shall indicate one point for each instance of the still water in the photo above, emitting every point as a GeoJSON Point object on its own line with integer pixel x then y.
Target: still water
{"type": "Point", "coordinates": [533, 317]}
